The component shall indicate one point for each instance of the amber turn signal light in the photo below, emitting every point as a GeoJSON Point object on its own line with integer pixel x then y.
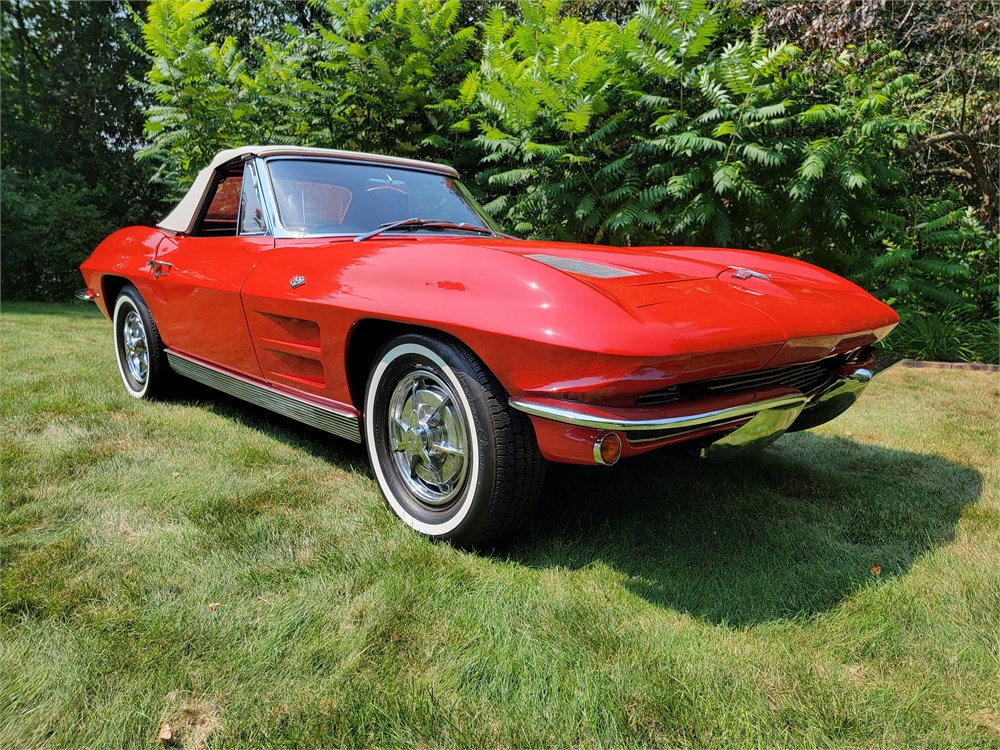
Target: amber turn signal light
{"type": "Point", "coordinates": [608, 449]}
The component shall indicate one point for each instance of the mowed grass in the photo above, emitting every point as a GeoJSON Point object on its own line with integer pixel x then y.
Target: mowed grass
{"type": "Point", "coordinates": [211, 566]}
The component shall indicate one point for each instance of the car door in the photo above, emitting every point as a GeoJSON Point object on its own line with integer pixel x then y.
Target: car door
{"type": "Point", "coordinates": [298, 315]}
{"type": "Point", "coordinates": [198, 277]}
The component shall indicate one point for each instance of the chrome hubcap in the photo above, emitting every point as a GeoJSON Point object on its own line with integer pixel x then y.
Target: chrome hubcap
{"type": "Point", "coordinates": [135, 350]}
{"type": "Point", "coordinates": [429, 437]}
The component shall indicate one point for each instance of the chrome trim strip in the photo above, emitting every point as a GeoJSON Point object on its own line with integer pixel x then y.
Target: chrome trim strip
{"type": "Point", "coordinates": [337, 423]}
{"type": "Point", "coordinates": [568, 415]}
{"type": "Point", "coordinates": [758, 433]}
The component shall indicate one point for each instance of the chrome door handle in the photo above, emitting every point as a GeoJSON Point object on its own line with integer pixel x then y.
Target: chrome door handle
{"type": "Point", "coordinates": [159, 267]}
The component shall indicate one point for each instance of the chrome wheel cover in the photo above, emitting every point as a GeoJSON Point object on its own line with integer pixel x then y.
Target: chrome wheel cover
{"type": "Point", "coordinates": [428, 437]}
{"type": "Point", "coordinates": [134, 347]}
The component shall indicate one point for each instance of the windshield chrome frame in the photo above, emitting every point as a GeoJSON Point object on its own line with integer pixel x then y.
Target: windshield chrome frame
{"type": "Point", "coordinates": [250, 166]}
{"type": "Point", "coordinates": [280, 231]}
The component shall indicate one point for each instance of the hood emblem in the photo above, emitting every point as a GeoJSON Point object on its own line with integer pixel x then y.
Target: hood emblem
{"type": "Point", "coordinates": [296, 281]}
{"type": "Point", "coordinates": [746, 273]}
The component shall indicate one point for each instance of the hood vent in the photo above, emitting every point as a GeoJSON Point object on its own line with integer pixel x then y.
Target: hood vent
{"type": "Point", "coordinates": [582, 267]}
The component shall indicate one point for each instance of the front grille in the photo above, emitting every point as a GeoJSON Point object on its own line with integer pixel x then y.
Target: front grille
{"type": "Point", "coordinates": [805, 377]}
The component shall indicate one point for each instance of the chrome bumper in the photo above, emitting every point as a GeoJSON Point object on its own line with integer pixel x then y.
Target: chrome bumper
{"type": "Point", "coordinates": [840, 395]}
{"type": "Point", "coordinates": [763, 420]}
{"type": "Point", "coordinates": [756, 424]}
{"type": "Point", "coordinates": [661, 428]}
{"type": "Point", "coordinates": [833, 400]}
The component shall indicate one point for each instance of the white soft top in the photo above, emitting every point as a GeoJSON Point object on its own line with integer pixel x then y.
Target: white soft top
{"type": "Point", "coordinates": [183, 217]}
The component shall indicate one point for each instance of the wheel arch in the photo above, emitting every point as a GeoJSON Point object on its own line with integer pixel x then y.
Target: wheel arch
{"type": "Point", "coordinates": [366, 339]}
{"type": "Point", "coordinates": [111, 287]}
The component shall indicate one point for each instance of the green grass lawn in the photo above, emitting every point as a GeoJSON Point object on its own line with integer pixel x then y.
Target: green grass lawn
{"type": "Point", "coordinates": [231, 573]}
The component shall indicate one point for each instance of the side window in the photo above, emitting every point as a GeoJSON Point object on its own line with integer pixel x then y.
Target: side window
{"type": "Point", "coordinates": [251, 219]}
{"type": "Point", "coordinates": [219, 219]}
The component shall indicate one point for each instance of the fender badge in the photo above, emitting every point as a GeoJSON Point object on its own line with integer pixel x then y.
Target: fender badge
{"type": "Point", "coordinates": [296, 281]}
{"type": "Point", "coordinates": [746, 273]}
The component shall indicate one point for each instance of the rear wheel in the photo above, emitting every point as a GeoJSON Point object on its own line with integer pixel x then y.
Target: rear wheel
{"type": "Point", "coordinates": [142, 363]}
{"type": "Point", "coordinates": [452, 459]}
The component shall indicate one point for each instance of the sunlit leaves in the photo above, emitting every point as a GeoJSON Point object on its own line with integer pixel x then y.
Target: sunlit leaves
{"type": "Point", "coordinates": [376, 77]}
{"type": "Point", "coordinates": [669, 127]}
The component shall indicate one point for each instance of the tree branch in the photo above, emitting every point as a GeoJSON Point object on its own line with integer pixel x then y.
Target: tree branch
{"type": "Point", "coordinates": [949, 171]}
{"type": "Point", "coordinates": [975, 157]}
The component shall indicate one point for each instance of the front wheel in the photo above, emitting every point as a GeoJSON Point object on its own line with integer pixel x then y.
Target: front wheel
{"type": "Point", "coordinates": [452, 459]}
{"type": "Point", "coordinates": [142, 363]}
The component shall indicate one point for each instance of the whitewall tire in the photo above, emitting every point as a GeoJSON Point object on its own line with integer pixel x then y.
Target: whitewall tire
{"type": "Point", "coordinates": [142, 363]}
{"type": "Point", "coordinates": [453, 460]}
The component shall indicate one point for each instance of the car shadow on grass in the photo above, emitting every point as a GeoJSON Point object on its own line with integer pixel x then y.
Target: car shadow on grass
{"type": "Point", "coordinates": [784, 534]}
{"type": "Point", "coordinates": [787, 533]}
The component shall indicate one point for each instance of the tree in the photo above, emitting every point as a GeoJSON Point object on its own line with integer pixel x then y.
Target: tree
{"type": "Point", "coordinates": [71, 124]}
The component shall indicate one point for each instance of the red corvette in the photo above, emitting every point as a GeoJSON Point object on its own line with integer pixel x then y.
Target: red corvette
{"type": "Point", "coordinates": [369, 296]}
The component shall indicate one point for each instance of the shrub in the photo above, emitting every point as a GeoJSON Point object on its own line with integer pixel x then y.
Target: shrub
{"type": "Point", "coordinates": [51, 223]}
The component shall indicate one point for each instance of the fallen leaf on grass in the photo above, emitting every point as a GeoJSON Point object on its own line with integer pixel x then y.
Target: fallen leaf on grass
{"type": "Point", "coordinates": [876, 569]}
{"type": "Point", "coordinates": [175, 474]}
{"type": "Point", "coordinates": [165, 734]}
{"type": "Point", "coordinates": [213, 606]}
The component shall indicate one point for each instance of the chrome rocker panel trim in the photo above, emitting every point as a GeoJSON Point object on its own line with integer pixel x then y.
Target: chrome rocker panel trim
{"type": "Point", "coordinates": [341, 424]}
{"type": "Point", "coordinates": [579, 417]}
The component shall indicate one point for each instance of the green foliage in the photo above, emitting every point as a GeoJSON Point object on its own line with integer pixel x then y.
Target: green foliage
{"type": "Point", "coordinates": [951, 334]}
{"type": "Point", "coordinates": [659, 131]}
{"type": "Point", "coordinates": [370, 76]}
{"type": "Point", "coordinates": [196, 85]}
{"type": "Point", "coordinates": [667, 122]}
{"type": "Point", "coordinates": [547, 114]}
{"type": "Point", "coordinates": [70, 126]}
{"type": "Point", "coordinates": [44, 239]}
{"type": "Point", "coordinates": [938, 268]}
{"type": "Point", "coordinates": [936, 254]}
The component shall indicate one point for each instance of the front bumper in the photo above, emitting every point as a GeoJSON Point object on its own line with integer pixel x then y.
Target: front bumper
{"type": "Point", "coordinates": [649, 428]}
{"type": "Point", "coordinates": [840, 395]}
{"type": "Point", "coordinates": [567, 430]}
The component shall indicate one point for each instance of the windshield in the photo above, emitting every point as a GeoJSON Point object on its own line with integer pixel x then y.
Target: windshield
{"type": "Point", "coordinates": [328, 198]}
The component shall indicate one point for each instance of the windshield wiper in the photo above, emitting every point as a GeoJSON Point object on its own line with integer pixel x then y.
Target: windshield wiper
{"type": "Point", "coordinates": [417, 223]}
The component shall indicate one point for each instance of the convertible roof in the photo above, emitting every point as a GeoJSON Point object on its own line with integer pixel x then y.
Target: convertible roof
{"type": "Point", "coordinates": [183, 217]}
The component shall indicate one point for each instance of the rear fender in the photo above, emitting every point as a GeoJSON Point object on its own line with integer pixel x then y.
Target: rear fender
{"type": "Point", "coordinates": [122, 258]}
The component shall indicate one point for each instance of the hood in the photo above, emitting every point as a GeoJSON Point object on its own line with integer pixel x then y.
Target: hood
{"type": "Point", "coordinates": [720, 299]}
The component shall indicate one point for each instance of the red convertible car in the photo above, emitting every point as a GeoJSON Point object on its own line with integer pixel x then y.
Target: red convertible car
{"type": "Point", "coordinates": [369, 296]}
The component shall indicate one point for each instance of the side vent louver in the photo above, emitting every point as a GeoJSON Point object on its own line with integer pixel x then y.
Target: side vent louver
{"type": "Point", "coordinates": [582, 267]}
